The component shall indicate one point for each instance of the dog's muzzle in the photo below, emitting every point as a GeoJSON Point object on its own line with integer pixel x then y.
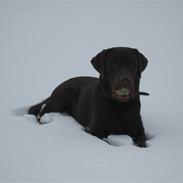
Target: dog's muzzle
{"type": "Point", "coordinates": [121, 95]}
{"type": "Point", "coordinates": [122, 88]}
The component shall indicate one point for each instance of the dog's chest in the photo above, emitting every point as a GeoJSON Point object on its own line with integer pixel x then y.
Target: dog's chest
{"type": "Point", "coordinates": [121, 120]}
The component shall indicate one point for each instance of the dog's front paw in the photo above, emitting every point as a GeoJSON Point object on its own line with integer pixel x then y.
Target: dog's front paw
{"type": "Point", "coordinates": [140, 140]}
{"type": "Point", "coordinates": [141, 144]}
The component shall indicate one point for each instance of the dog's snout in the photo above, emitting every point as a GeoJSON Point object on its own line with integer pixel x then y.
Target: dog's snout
{"type": "Point", "coordinates": [125, 79]}
{"type": "Point", "coordinates": [122, 81]}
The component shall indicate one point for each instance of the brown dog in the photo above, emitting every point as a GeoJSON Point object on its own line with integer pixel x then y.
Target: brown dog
{"type": "Point", "coordinates": [108, 105]}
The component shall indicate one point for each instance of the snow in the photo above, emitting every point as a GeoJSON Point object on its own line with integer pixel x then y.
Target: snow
{"type": "Point", "coordinates": [46, 42]}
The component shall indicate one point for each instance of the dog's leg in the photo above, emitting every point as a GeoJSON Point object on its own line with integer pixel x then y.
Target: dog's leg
{"type": "Point", "coordinates": [35, 109]}
{"type": "Point", "coordinates": [58, 102]}
{"type": "Point", "coordinates": [54, 105]}
{"type": "Point", "coordinates": [43, 110]}
{"type": "Point", "coordinates": [140, 140]}
{"type": "Point", "coordinates": [98, 130]}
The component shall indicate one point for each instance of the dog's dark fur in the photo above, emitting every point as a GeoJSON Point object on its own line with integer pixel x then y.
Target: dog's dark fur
{"type": "Point", "coordinates": [108, 105]}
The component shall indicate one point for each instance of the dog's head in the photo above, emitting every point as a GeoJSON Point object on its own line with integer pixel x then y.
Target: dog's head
{"type": "Point", "coordinates": [120, 71]}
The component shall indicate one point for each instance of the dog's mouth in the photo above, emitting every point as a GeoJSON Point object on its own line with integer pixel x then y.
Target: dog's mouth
{"type": "Point", "coordinates": [121, 95]}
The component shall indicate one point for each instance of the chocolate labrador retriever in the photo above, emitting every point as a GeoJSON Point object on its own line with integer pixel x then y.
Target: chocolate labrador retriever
{"type": "Point", "coordinates": [106, 105]}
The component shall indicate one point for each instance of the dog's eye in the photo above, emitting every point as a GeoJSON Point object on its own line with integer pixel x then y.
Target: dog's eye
{"type": "Point", "coordinates": [133, 69]}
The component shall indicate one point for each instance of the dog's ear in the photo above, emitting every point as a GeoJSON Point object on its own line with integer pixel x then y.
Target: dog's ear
{"type": "Point", "coordinates": [142, 62]}
{"type": "Point", "coordinates": [98, 61]}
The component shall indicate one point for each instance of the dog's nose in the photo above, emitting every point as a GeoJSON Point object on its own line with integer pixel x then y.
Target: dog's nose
{"type": "Point", "coordinates": [125, 79]}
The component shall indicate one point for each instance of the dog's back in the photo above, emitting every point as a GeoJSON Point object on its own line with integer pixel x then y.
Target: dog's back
{"type": "Point", "coordinates": [72, 96]}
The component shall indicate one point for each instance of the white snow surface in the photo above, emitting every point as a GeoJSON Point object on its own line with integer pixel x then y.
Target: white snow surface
{"type": "Point", "coordinates": [43, 43]}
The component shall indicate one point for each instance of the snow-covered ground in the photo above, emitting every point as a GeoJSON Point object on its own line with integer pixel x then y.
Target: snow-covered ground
{"type": "Point", "coordinates": [42, 43]}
